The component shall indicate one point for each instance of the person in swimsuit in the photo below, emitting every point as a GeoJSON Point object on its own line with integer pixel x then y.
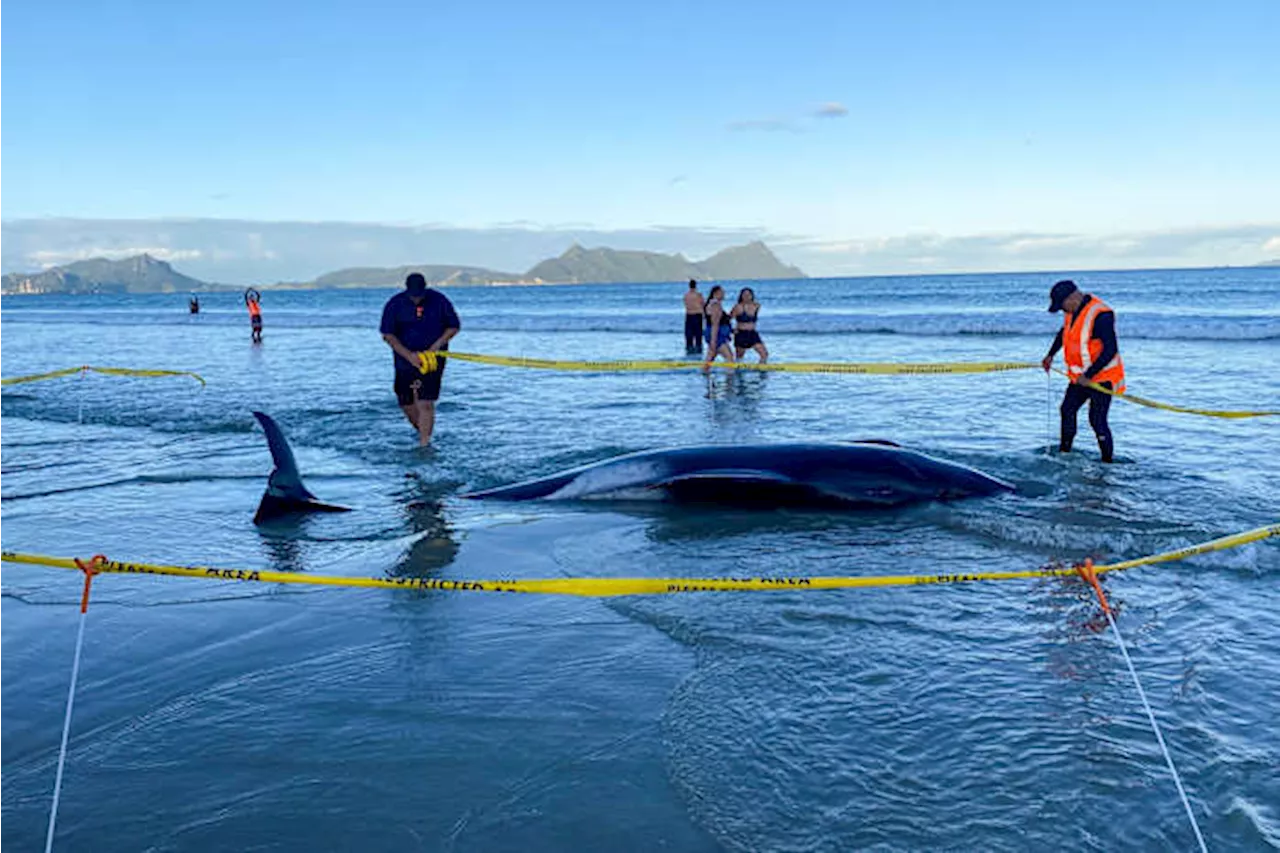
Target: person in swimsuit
{"type": "Point", "coordinates": [745, 314]}
{"type": "Point", "coordinates": [693, 308]}
{"type": "Point", "coordinates": [718, 327]}
{"type": "Point", "coordinates": [252, 298]}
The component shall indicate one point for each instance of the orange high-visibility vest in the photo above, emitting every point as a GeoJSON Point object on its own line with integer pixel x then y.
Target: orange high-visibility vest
{"type": "Point", "coordinates": [1079, 348]}
{"type": "Point", "coordinates": [255, 310]}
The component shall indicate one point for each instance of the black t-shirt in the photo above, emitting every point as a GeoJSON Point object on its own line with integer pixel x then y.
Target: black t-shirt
{"type": "Point", "coordinates": [418, 325]}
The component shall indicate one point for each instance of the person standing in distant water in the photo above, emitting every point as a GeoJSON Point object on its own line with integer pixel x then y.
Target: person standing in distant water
{"type": "Point", "coordinates": [418, 320]}
{"type": "Point", "coordinates": [1088, 343]}
{"type": "Point", "coordinates": [252, 298]}
{"type": "Point", "coordinates": [193, 304]}
{"type": "Point", "coordinates": [693, 308]}
{"type": "Point", "coordinates": [718, 329]}
{"type": "Point", "coordinates": [745, 337]}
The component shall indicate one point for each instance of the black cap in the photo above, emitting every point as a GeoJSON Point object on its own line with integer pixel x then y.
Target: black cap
{"type": "Point", "coordinates": [415, 284]}
{"type": "Point", "coordinates": [1059, 294]}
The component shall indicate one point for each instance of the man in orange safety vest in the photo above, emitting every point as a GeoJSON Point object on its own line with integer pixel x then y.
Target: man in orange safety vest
{"type": "Point", "coordinates": [1088, 343]}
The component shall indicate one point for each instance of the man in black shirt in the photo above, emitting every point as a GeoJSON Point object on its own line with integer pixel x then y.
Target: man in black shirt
{"type": "Point", "coordinates": [416, 321]}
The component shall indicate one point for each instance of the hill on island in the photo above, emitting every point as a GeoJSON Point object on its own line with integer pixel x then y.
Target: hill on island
{"type": "Point", "coordinates": [139, 274]}
{"type": "Point", "coordinates": [395, 276]}
{"type": "Point", "coordinates": [582, 266]}
{"type": "Point", "coordinates": [585, 266]}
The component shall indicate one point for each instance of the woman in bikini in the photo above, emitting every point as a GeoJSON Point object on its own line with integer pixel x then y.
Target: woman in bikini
{"type": "Point", "coordinates": [718, 328]}
{"type": "Point", "coordinates": [745, 314]}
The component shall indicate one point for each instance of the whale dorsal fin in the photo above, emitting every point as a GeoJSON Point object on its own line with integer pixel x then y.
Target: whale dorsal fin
{"type": "Point", "coordinates": [285, 491]}
{"type": "Point", "coordinates": [285, 480]}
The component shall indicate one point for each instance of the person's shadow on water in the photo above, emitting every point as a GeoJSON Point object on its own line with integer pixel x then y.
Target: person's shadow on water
{"type": "Point", "coordinates": [435, 546]}
{"type": "Point", "coordinates": [283, 552]}
{"type": "Point", "coordinates": [735, 396]}
{"type": "Point", "coordinates": [422, 513]}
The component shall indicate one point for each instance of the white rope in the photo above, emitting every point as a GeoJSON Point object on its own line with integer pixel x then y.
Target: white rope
{"type": "Point", "coordinates": [1048, 412]}
{"type": "Point", "coordinates": [66, 731]}
{"type": "Point", "coordinates": [1168, 759]}
{"type": "Point", "coordinates": [80, 399]}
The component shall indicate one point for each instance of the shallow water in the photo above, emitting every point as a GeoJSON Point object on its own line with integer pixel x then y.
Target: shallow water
{"type": "Point", "coordinates": [217, 715]}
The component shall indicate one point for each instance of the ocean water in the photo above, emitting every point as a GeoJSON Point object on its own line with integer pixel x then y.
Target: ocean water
{"type": "Point", "coordinates": [217, 716]}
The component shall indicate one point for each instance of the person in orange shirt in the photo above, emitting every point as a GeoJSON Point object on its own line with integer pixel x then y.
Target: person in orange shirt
{"type": "Point", "coordinates": [1088, 343]}
{"type": "Point", "coordinates": [252, 299]}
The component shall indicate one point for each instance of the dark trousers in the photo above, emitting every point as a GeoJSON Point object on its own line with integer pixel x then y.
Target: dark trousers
{"type": "Point", "coordinates": [1099, 405]}
{"type": "Point", "coordinates": [693, 333]}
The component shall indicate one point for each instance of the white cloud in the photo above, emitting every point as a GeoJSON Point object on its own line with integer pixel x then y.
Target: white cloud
{"type": "Point", "coordinates": [1040, 244]}
{"type": "Point", "coordinates": [831, 109]}
{"type": "Point", "coordinates": [262, 252]}
{"type": "Point", "coordinates": [258, 249]}
{"type": "Point", "coordinates": [56, 257]}
{"type": "Point", "coordinates": [242, 251]}
{"type": "Point", "coordinates": [927, 252]}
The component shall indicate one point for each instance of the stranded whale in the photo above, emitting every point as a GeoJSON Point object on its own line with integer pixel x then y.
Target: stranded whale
{"type": "Point", "coordinates": [861, 474]}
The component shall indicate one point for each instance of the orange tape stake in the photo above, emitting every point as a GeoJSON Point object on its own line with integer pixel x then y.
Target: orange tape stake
{"type": "Point", "coordinates": [1086, 571]}
{"type": "Point", "coordinates": [90, 570]}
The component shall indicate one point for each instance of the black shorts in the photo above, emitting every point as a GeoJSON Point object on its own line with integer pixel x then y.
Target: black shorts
{"type": "Point", "coordinates": [255, 322]}
{"type": "Point", "coordinates": [746, 338]}
{"type": "Point", "coordinates": [428, 385]}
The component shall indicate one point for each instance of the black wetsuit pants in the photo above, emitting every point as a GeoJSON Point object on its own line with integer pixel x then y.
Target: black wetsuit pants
{"type": "Point", "coordinates": [1099, 405]}
{"type": "Point", "coordinates": [693, 333]}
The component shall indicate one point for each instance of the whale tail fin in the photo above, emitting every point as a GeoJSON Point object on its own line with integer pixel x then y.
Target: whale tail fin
{"type": "Point", "coordinates": [285, 492]}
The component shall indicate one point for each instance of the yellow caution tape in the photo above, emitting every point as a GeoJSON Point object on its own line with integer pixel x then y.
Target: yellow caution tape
{"type": "Point", "coordinates": [1152, 404]}
{"type": "Point", "coordinates": [429, 364]}
{"type": "Point", "coordinates": [603, 587]}
{"type": "Point", "coordinates": [1233, 541]}
{"type": "Point", "coordinates": [109, 371]}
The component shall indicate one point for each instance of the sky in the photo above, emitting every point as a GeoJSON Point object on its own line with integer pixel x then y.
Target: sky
{"type": "Point", "coordinates": [855, 137]}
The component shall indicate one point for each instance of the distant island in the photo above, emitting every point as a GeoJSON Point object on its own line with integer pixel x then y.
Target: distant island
{"type": "Point", "coordinates": [577, 265]}
{"type": "Point", "coordinates": [582, 266]}
{"type": "Point", "coordinates": [139, 274]}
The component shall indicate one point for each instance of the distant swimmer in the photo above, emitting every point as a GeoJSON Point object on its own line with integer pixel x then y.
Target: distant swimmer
{"type": "Point", "coordinates": [1088, 343]}
{"type": "Point", "coordinates": [193, 304]}
{"type": "Point", "coordinates": [253, 299]}
{"type": "Point", "coordinates": [719, 329]}
{"type": "Point", "coordinates": [415, 321]}
{"type": "Point", "coordinates": [745, 314]}
{"type": "Point", "coordinates": [693, 308]}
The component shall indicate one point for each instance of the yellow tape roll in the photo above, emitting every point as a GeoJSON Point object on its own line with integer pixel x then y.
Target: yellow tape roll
{"type": "Point", "coordinates": [606, 587]}
{"type": "Point", "coordinates": [109, 371]}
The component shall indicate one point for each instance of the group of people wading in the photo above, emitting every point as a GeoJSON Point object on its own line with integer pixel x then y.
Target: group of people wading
{"type": "Point", "coordinates": [422, 320]}
{"type": "Point", "coordinates": [707, 319]}
{"type": "Point", "coordinates": [1087, 340]}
